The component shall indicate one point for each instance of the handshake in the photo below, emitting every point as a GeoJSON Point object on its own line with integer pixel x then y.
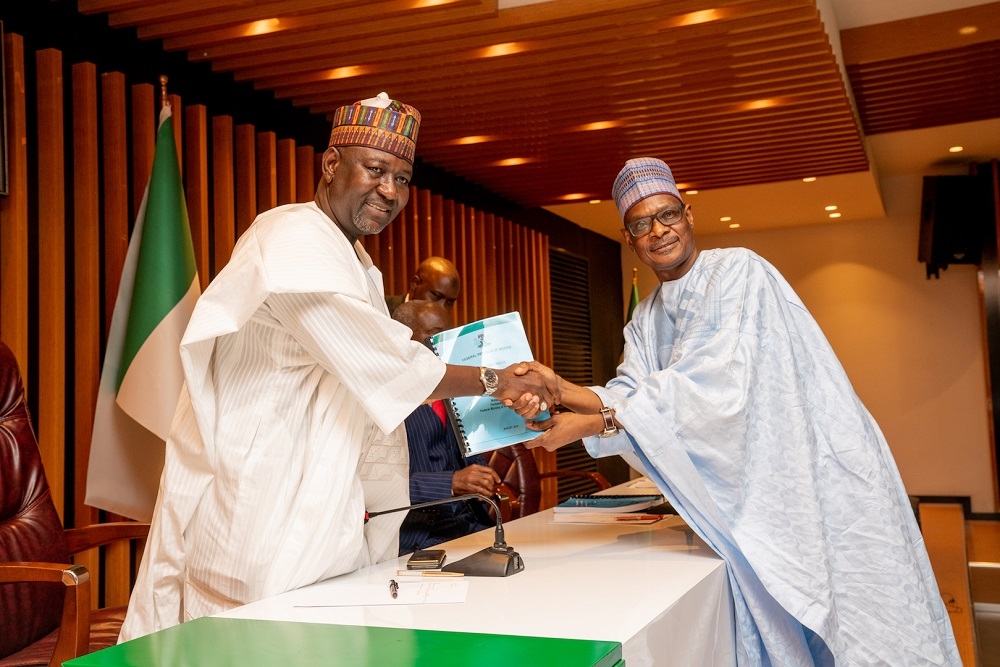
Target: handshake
{"type": "Point", "coordinates": [529, 388]}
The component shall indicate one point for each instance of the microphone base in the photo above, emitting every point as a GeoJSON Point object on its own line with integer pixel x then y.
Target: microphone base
{"type": "Point", "coordinates": [490, 562]}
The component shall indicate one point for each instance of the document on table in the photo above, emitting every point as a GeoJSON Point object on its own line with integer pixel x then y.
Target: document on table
{"type": "Point", "coordinates": [603, 517]}
{"type": "Point", "coordinates": [643, 484]}
{"type": "Point", "coordinates": [408, 591]}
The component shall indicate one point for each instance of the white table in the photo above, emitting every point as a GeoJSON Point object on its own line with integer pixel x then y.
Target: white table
{"type": "Point", "coordinates": [657, 589]}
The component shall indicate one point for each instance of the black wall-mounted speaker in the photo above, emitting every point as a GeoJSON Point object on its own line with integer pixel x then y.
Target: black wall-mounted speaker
{"type": "Point", "coordinates": [954, 214]}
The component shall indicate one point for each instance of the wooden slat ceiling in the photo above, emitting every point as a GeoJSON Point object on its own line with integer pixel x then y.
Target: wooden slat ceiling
{"type": "Point", "coordinates": [729, 92]}
{"type": "Point", "coordinates": [926, 71]}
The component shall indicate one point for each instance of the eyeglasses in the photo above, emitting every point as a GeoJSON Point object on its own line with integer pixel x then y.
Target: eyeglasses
{"type": "Point", "coordinates": [668, 216]}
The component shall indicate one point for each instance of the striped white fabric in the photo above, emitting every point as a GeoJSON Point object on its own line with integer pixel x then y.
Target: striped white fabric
{"type": "Point", "coordinates": [297, 384]}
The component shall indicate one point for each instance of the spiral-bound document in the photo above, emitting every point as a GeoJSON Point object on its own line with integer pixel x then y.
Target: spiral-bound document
{"type": "Point", "coordinates": [482, 423]}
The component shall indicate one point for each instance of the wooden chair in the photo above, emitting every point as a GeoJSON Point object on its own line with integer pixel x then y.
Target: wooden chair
{"type": "Point", "coordinates": [45, 600]}
{"type": "Point", "coordinates": [520, 488]}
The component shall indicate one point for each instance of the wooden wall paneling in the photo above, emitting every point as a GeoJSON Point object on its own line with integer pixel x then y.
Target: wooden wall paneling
{"type": "Point", "coordinates": [462, 308]}
{"type": "Point", "coordinates": [285, 183]}
{"type": "Point", "coordinates": [400, 276]}
{"type": "Point", "coordinates": [448, 232]}
{"type": "Point", "coordinates": [531, 283]}
{"type": "Point", "coordinates": [267, 176]}
{"type": "Point", "coordinates": [371, 244]}
{"type": "Point", "coordinates": [317, 166]}
{"type": "Point", "coordinates": [14, 209]}
{"type": "Point", "coordinates": [424, 225]}
{"type": "Point", "coordinates": [469, 264]}
{"type": "Point", "coordinates": [386, 260]}
{"type": "Point", "coordinates": [537, 256]}
{"type": "Point", "coordinates": [470, 275]}
{"type": "Point", "coordinates": [506, 266]}
{"type": "Point", "coordinates": [437, 226]}
{"type": "Point", "coordinates": [246, 178]}
{"type": "Point", "coordinates": [544, 282]}
{"type": "Point", "coordinates": [483, 286]}
{"type": "Point", "coordinates": [114, 128]}
{"type": "Point", "coordinates": [51, 274]}
{"type": "Point", "coordinates": [223, 198]}
{"type": "Point", "coordinates": [117, 217]}
{"type": "Point", "coordinates": [487, 253]}
{"type": "Point", "coordinates": [412, 252]}
{"type": "Point", "coordinates": [537, 289]}
{"type": "Point", "coordinates": [497, 267]}
{"type": "Point", "coordinates": [450, 225]}
{"type": "Point", "coordinates": [177, 118]}
{"type": "Point", "coordinates": [196, 186]}
{"type": "Point", "coordinates": [521, 275]}
{"type": "Point", "coordinates": [143, 141]}
{"type": "Point", "coordinates": [305, 174]}
{"type": "Point", "coordinates": [87, 320]}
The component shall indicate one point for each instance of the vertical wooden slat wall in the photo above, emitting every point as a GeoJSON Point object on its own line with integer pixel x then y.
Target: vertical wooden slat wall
{"type": "Point", "coordinates": [117, 215]}
{"type": "Point", "coordinates": [223, 201]}
{"type": "Point", "coordinates": [196, 184]}
{"type": "Point", "coordinates": [51, 273]}
{"type": "Point", "coordinates": [305, 174]}
{"type": "Point", "coordinates": [504, 266]}
{"type": "Point", "coordinates": [14, 210]}
{"type": "Point", "coordinates": [143, 141]}
{"type": "Point", "coordinates": [246, 179]}
{"type": "Point", "coordinates": [285, 176]}
{"type": "Point", "coordinates": [115, 193]}
{"type": "Point", "coordinates": [267, 180]}
{"type": "Point", "coordinates": [87, 320]}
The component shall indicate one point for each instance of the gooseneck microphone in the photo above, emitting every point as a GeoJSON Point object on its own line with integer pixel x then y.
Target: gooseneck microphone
{"type": "Point", "coordinates": [498, 560]}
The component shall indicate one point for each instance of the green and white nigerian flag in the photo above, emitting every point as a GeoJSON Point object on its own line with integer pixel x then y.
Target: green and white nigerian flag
{"type": "Point", "coordinates": [142, 375]}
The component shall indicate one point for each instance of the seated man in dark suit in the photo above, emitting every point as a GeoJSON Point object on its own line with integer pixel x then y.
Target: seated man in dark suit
{"type": "Point", "coordinates": [437, 467]}
{"type": "Point", "coordinates": [436, 280]}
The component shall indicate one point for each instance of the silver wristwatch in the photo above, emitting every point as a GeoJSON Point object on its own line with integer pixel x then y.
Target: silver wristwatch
{"type": "Point", "coordinates": [489, 379]}
{"type": "Point", "coordinates": [609, 423]}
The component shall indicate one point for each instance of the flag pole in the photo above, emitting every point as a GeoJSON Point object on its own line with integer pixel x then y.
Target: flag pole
{"type": "Point", "coordinates": [164, 102]}
{"type": "Point", "coordinates": [634, 297]}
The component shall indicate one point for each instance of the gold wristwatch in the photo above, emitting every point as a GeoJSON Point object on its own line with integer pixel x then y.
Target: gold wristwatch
{"type": "Point", "coordinates": [489, 379]}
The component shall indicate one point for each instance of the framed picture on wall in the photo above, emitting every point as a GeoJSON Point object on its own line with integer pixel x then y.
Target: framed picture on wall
{"type": "Point", "coordinates": [3, 118]}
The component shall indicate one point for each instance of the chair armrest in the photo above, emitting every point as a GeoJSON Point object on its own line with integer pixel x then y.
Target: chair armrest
{"type": "Point", "coordinates": [74, 628]}
{"type": "Point", "coordinates": [12, 572]}
{"type": "Point", "coordinates": [99, 534]}
{"type": "Point", "coordinates": [596, 477]}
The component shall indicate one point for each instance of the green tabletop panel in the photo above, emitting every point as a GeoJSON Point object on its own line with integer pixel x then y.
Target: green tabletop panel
{"type": "Point", "coordinates": [217, 642]}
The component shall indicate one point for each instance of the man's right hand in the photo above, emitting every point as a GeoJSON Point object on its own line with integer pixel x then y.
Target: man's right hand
{"type": "Point", "coordinates": [528, 387]}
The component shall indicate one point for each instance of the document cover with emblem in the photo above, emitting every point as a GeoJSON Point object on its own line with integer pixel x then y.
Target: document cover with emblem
{"type": "Point", "coordinates": [483, 423]}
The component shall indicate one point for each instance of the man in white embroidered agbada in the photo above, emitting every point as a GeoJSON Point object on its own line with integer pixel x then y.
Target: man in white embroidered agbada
{"type": "Point", "coordinates": [731, 399]}
{"type": "Point", "coordinates": [297, 382]}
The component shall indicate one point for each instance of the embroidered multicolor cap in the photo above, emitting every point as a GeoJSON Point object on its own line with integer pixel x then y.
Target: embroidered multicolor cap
{"type": "Point", "coordinates": [379, 122]}
{"type": "Point", "coordinates": [642, 177]}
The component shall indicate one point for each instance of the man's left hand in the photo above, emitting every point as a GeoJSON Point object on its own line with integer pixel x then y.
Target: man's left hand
{"type": "Point", "coordinates": [475, 479]}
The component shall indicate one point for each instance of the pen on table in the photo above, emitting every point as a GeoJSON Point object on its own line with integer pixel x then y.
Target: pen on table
{"type": "Point", "coordinates": [637, 517]}
{"type": "Point", "coordinates": [393, 588]}
{"type": "Point", "coordinates": [428, 573]}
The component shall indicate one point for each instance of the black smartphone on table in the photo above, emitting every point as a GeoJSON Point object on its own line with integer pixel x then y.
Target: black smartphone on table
{"type": "Point", "coordinates": [426, 559]}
